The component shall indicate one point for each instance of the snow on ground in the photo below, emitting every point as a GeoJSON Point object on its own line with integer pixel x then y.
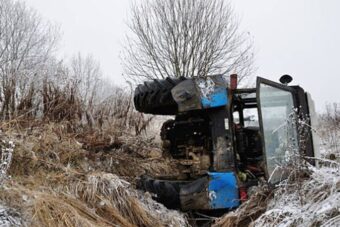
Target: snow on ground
{"type": "Point", "coordinates": [9, 217]}
{"type": "Point", "coordinates": [171, 217]}
{"type": "Point", "coordinates": [313, 202]}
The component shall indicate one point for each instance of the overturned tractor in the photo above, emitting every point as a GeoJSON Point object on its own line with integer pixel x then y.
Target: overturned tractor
{"type": "Point", "coordinates": [225, 138]}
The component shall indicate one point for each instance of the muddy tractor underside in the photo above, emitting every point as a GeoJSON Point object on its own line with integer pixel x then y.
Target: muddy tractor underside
{"type": "Point", "coordinates": [226, 139]}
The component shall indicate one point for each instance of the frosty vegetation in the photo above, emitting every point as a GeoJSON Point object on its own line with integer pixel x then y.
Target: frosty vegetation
{"type": "Point", "coordinates": [314, 201]}
{"type": "Point", "coordinates": [330, 131]}
{"type": "Point", "coordinates": [190, 38]}
{"type": "Point", "coordinates": [72, 145]}
{"type": "Point", "coordinates": [310, 196]}
{"type": "Point", "coordinates": [63, 116]}
{"type": "Point", "coordinates": [36, 85]}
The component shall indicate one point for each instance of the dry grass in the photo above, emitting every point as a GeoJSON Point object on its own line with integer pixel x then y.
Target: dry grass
{"type": "Point", "coordinates": [313, 201]}
{"type": "Point", "coordinates": [50, 210]}
{"type": "Point", "coordinates": [45, 207]}
{"type": "Point", "coordinates": [248, 211]}
{"type": "Point", "coordinates": [100, 200]}
{"type": "Point", "coordinates": [112, 193]}
{"type": "Point", "coordinates": [56, 180]}
{"type": "Point", "coordinates": [52, 148]}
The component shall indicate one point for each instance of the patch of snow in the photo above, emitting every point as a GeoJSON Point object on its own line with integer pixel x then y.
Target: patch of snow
{"type": "Point", "coordinates": [7, 148]}
{"type": "Point", "coordinates": [9, 217]}
{"type": "Point", "coordinates": [206, 85]}
{"type": "Point", "coordinates": [313, 202]}
{"type": "Point", "coordinates": [171, 217]}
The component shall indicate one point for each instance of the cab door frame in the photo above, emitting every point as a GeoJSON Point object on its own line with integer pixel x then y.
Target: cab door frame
{"type": "Point", "coordinates": [282, 87]}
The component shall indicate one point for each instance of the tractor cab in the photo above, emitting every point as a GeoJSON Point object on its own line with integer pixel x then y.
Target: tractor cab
{"type": "Point", "coordinates": [225, 138]}
{"type": "Point", "coordinates": [271, 122]}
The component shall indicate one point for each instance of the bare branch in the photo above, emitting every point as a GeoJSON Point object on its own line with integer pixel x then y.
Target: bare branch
{"type": "Point", "coordinates": [190, 38]}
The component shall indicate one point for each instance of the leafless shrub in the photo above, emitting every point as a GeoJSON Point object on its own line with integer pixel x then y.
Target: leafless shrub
{"type": "Point", "coordinates": [60, 104]}
{"type": "Point", "coordinates": [35, 86]}
{"type": "Point", "coordinates": [26, 44]}
{"type": "Point", "coordinates": [51, 108]}
{"type": "Point", "coordinates": [117, 110]}
{"type": "Point", "coordinates": [88, 100]}
{"type": "Point", "coordinates": [330, 131]}
{"type": "Point", "coordinates": [192, 38]}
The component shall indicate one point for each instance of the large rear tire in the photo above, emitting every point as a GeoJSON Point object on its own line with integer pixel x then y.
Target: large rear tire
{"type": "Point", "coordinates": [154, 97]}
{"type": "Point", "coordinates": [167, 192]}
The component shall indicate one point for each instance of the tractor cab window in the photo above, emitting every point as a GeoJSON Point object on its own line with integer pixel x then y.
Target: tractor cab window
{"type": "Point", "coordinates": [251, 117]}
{"type": "Point", "coordinates": [248, 144]}
{"type": "Point", "coordinates": [279, 129]}
{"type": "Point", "coordinates": [236, 117]}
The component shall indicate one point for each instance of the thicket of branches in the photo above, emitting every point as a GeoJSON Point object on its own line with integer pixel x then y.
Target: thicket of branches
{"type": "Point", "coordinates": [330, 129]}
{"type": "Point", "coordinates": [190, 38]}
{"type": "Point", "coordinates": [35, 85]}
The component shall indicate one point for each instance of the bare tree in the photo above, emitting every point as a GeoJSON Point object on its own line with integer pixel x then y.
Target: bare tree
{"type": "Point", "coordinates": [190, 38]}
{"type": "Point", "coordinates": [86, 74]}
{"type": "Point", "coordinates": [26, 43]}
{"type": "Point", "coordinates": [86, 77]}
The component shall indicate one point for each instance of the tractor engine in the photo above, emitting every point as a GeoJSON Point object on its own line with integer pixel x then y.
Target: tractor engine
{"type": "Point", "coordinates": [188, 139]}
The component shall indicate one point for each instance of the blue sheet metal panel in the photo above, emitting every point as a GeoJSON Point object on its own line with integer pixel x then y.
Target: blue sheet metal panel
{"type": "Point", "coordinates": [217, 98]}
{"type": "Point", "coordinates": [223, 190]}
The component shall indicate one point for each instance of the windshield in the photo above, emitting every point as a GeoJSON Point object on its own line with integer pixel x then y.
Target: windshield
{"type": "Point", "coordinates": [279, 129]}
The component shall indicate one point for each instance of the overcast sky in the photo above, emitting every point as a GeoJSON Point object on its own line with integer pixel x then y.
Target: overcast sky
{"type": "Point", "coordinates": [296, 37]}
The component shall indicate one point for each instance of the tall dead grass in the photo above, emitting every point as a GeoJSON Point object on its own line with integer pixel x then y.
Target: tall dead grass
{"type": "Point", "coordinates": [57, 179]}
{"type": "Point", "coordinates": [249, 211]}
{"type": "Point", "coordinates": [112, 194]}
{"type": "Point", "coordinates": [100, 200]}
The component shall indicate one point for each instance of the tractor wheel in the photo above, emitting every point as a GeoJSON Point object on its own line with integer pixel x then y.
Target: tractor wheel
{"type": "Point", "coordinates": [167, 192]}
{"type": "Point", "coordinates": [154, 97]}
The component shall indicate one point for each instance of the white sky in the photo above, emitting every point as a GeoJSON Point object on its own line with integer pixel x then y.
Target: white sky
{"type": "Point", "coordinates": [296, 37]}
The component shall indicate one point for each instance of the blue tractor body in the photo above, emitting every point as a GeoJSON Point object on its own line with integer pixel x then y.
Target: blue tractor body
{"type": "Point", "coordinates": [223, 190]}
{"type": "Point", "coordinates": [225, 139]}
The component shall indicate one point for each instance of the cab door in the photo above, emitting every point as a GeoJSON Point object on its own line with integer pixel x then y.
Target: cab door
{"type": "Point", "coordinates": [277, 117]}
